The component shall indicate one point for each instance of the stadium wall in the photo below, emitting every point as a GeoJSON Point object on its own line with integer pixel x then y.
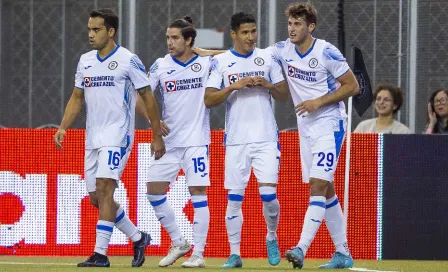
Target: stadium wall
{"type": "Point", "coordinates": [46, 211]}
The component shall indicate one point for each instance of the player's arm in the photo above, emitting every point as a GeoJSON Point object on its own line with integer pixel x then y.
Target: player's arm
{"type": "Point", "coordinates": [141, 110]}
{"type": "Point", "coordinates": [207, 52]}
{"type": "Point", "coordinates": [72, 110]}
{"type": "Point", "coordinates": [215, 97]}
{"type": "Point", "coordinates": [152, 110]}
{"type": "Point", "coordinates": [349, 87]}
{"type": "Point", "coordinates": [279, 91]}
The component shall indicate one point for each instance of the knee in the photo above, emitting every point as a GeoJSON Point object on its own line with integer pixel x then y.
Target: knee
{"type": "Point", "coordinates": [197, 190]}
{"type": "Point", "coordinates": [235, 200]}
{"type": "Point", "coordinates": [318, 187]}
{"type": "Point", "coordinates": [268, 193]}
{"type": "Point", "coordinates": [156, 188]}
{"type": "Point", "coordinates": [105, 189]}
{"type": "Point", "coordinates": [94, 200]}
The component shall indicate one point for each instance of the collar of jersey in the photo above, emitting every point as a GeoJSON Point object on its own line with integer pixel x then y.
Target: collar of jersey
{"type": "Point", "coordinates": [239, 55]}
{"type": "Point", "coordinates": [108, 56]}
{"type": "Point", "coordinates": [184, 64]}
{"type": "Point", "coordinates": [307, 52]}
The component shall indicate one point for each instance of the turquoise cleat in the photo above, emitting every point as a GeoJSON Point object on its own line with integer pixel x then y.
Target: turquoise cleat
{"type": "Point", "coordinates": [234, 261]}
{"type": "Point", "coordinates": [295, 256]}
{"type": "Point", "coordinates": [338, 260]}
{"type": "Point", "coordinates": [273, 252]}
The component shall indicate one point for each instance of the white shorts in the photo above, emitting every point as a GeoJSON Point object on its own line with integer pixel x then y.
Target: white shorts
{"type": "Point", "coordinates": [264, 158]}
{"type": "Point", "coordinates": [104, 162]}
{"type": "Point", "coordinates": [192, 160]}
{"type": "Point", "coordinates": [319, 153]}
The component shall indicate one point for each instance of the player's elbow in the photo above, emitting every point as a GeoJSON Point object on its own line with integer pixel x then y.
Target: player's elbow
{"type": "Point", "coordinates": [355, 88]}
{"type": "Point", "coordinates": [208, 101]}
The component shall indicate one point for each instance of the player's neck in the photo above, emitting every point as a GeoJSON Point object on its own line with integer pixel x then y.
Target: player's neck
{"type": "Point", "coordinates": [384, 121]}
{"type": "Point", "coordinates": [306, 45]}
{"type": "Point", "coordinates": [186, 56]}
{"type": "Point", "coordinates": [240, 51]}
{"type": "Point", "coordinates": [110, 46]}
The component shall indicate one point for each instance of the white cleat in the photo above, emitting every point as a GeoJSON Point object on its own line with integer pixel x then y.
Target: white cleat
{"type": "Point", "coordinates": [195, 261]}
{"type": "Point", "coordinates": [174, 253]}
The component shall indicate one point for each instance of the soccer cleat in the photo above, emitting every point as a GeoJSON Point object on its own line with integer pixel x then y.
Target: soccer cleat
{"type": "Point", "coordinates": [273, 252]}
{"type": "Point", "coordinates": [295, 256]}
{"type": "Point", "coordinates": [174, 253]}
{"type": "Point", "coordinates": [338, 260]}
{"type": "Point", "coordinates": [139, 250]}
{"type": "Point", "coordinates": [194, 261]}
{"type": "Point", "coordinates": [96, 260]}
{"type": "Point", "coordinates": [234, 261]}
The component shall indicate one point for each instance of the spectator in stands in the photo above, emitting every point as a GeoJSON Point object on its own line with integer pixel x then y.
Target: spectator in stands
{"type": "Point", "coordinates": [438, 113]}
{"type": "Point", "coordinates": [388, 100]}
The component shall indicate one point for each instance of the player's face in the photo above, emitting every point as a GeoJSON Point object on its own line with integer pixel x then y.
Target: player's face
{"type": "Point", "coordinates": [384, 103]}
{"type": "Point", "coordinates": [298, 29]}
{"type": "Point", "coordinates": [245, 37]}
{"type": "Point", "coordinates": [441, 104]}
{"type": "Point", "coordinates": [176, 43]}
{"type": "Point", "coordinates": [98, 34]}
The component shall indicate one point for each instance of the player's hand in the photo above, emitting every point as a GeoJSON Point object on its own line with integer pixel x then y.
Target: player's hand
{"type": "Point", "coordinates": [58, 138]}
{"type": "Point", "coordinates": [202, 52]}
{"type": "Point", "coordinates": [164, 127]}
{"type": "Point", "coordinates": [432, 116]}
{"type": "Point", "coordinates": [261, 81]}
{"type": "Point", "coordinates": [308, 106]}
{"type": "Point", "coordinates": [157, 147]}
{"type": "Point", "coordinates": [244, 82]}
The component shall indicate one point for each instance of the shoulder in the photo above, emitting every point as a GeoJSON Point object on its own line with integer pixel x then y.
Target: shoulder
{"type": "Point", "coordinates": [329, 51]}
{"type": "Point", "coordinates": [156, 65]}
{"type": "Point", "coordinates": [400, 128]}
{"type": "Point", "coordinates": [88, 56]}
{"type": "Point", "coordinates": [365, 125]}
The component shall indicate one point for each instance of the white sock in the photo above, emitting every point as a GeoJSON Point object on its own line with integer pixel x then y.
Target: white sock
{"type": "Point", "coordinates": [334, 219]}
{"type": "Point", "coordinates": [200, 223]}
{"type": "Point", "coordinates": [271, 210]}
{"type": "Point", "coordinates": [234, 220]}
{"type": "Point", "coordinates": [104, 230]}
{"type": "Point", "coordinates": [124, 224]}
{"type": "Point", "coordinates": [313, 218]}
{"type": "Point", "coordinates": [165, 214]}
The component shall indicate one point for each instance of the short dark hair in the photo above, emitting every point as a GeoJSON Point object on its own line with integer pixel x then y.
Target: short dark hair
{"type": "Point", "coordinates": [186, 28]}
{"type": "Point", "coordinates": [110, 18]}
{"type": "Point", "coordinates": [305, 10]}
{"type": "Point", "coordinates": [240, 18]}
{"type": "Point", "coordinates": [395, 91]}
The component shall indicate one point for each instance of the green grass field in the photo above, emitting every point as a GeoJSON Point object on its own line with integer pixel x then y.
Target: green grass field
{"type": "Point", "coordinates": [49, 264]}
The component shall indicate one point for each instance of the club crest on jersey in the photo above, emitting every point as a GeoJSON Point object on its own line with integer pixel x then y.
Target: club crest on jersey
{"type": "Point", "coordinates": [87, 82]}
{"type": "Point", "coordinates": [233, 78]}
{"type": "Point", "coordinates": [291, 71]}
{"type": "Point", "coordinates": [196, 67]}
{"type": "Point", "coordinates": [113, 65]}
{"type": "Point", "coordinates": [259, 61]}
{"type": "Point", "coordinates": [313, 63]}
{"type": "Point", "coordinates": [170, 86]}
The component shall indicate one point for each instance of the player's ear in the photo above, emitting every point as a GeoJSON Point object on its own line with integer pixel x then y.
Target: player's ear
{"type": "Point", "coordinates": [233, 34]}
{"type": "Point", "coordinates": [111, 32]}
{"type": "Point", "coordinates": [311, 27]}
{"type": "Point", "coordinates": [188, 41]}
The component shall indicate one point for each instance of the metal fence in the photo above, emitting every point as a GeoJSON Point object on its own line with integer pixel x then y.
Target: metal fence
{"type": "Point", "coordinates": [41, 42]}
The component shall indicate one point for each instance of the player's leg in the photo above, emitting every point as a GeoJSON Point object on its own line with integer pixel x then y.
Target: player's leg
{"type": "Point", "coordinates": [266, 162]}
{"type": "Point", "coordinates": [160, 173]}
{"type": "Point", "coordinates": [237, 172]}
{"type": "Point", "coordinates": [295, 255]}
{"type": "Point", "coordinates": [334, 218]}
{"type": "Point", "coordinates": [195, 164]}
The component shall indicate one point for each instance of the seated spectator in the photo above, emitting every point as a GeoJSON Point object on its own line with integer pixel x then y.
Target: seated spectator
{"type": "Point", "coordinates": [438, 113]}
{"type": "Point", "coordinates": [388, 100]}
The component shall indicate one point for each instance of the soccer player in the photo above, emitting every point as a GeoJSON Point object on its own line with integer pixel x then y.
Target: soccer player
{"type": "Point", "coordinates": [108, 77]}
{"type": "Point", "coordinates": [250, 76]}
{"type": "Point", "coordinates": [181, 77]}
{"type": "Point", "coordinates": [319, 79]}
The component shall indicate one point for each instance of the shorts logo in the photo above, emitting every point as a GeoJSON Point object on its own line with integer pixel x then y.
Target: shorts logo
{"type": "Point", "coordinates": [196, 67]}
{"type": "Point", "coordinates": [313, 63]}
{"type": "Point", "coordinates": [170, 86]}
{"type": "Point", "coordinates": [233, 78]}
{"type": "Point", "coordinates": [259, 61]}
{"type": "Point", "coordinates": [113, 65]}
{"type": "Point", "coordinates": [87, 82]}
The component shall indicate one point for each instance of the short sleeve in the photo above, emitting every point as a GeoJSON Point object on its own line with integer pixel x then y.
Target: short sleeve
{"type": "Point", "coordinates": [137, 73]}
{"type": "Point", "coordinates": [276, 49]}
{"type": "Point", "coordinates": [215, 79]}
{"type": "Point", "coordinates": [275, 73]}
{"type": "Point", "coordinates": [334, 61]}
{"type": "Point", "coordinates": [79, 79]}
{"type": "Point", "coordinates": [153, 76]}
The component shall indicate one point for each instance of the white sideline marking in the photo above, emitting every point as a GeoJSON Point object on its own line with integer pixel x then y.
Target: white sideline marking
{"type": "Point", "coordinates": [369, 270]}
